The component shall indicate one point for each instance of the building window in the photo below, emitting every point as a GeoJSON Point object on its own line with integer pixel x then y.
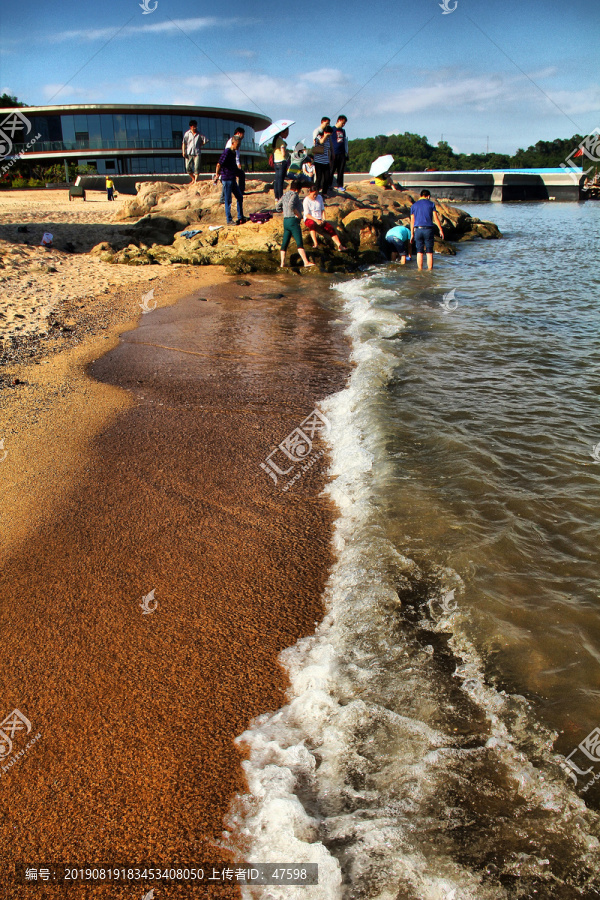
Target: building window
{"type": "Point", "coordinates": [109, 164]}
{"type": "Point", "coordinates": [82, 136]}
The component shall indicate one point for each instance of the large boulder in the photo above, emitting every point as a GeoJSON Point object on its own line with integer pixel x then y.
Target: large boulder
{"type": "Point", "coordinates": [187, 204]}
{"type": "Point", "coordinates": [362, 214]}
{"type": "Point", "coordinates": [155, 229]}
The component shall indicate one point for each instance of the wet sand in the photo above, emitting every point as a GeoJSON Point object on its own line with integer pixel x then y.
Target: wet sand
{"type": "Point", "coordinates": [138, 712]}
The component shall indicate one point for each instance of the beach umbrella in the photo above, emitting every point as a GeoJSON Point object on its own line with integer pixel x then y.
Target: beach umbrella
{"type": "Point", "coordinates": [274, 129]}
{"type": "Point", "coordinates": [382, 164]}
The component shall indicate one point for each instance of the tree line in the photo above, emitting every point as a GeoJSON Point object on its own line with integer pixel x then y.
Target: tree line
{"type": "Point", "coordinates": [414, 153]}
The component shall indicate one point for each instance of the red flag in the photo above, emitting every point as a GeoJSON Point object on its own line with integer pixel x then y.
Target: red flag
{"type": "Point", "coordinates": [579, 153]}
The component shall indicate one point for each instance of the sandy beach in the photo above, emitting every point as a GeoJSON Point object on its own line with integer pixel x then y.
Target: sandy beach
{"type": "Point", "coordinates": [142, 474]}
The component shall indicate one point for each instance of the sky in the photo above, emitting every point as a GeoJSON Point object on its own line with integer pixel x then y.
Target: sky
{"type": "Point", "coordinates": [501, 74]}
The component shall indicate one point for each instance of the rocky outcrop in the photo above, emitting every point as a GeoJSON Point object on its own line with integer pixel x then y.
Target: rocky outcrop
{"type": "Point", "coordinates": [160, 213]}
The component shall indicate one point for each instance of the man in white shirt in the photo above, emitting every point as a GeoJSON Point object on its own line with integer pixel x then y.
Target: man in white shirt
{"type": "Point", "coordinates": [314, 217]}
{"type": "Point", "coordinates": [191, 150]}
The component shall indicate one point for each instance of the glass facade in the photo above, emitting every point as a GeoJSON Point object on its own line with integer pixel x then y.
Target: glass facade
{"type": "Point", "coordinates": [134, 131]}
{"type": "Point", "coordinates": [159, 165]}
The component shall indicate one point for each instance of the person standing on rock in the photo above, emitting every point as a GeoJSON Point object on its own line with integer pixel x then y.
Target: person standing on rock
{"type": "Point", "coordinates": [323, 154]}
{"type": "Point", "coordinates": [318, 132]}
{"type": "Point", "coordinates": [339, 143]}
{"type": "Point", "coordinates": [191, 150]}
{"type": "Point", "coordinates": [280, 161]}
{"type": "Point", "coordinates": [422, 215]}
{"type": "Point", "coordinates": [227, 168]}
{"type": "Point", "coordinates": [239, 133]}
{"type": "Point", "coordinates": [292, 216]}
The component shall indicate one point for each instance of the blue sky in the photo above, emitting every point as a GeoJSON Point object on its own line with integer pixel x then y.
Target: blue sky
{"type": "Point", "coordinates": [515, 72]}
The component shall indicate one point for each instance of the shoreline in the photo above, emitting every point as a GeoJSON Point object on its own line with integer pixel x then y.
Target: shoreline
{"type": "Point", "coordinates": [51, 409]}
{"type": "Point", "coordinates": [238, 566]}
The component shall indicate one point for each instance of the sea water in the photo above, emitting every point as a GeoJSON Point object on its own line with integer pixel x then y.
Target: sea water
{"type": "Point", "coordinates": [422, 751]}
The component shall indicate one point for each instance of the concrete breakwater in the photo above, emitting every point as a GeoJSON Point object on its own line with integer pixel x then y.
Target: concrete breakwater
{"type": "Point", "coordinates": [463, 186]}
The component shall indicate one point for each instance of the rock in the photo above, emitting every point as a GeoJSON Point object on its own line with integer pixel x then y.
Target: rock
{"type": "Point", "coordinates": [362, 216]}
{"type": "Point", "coordinates": [243, 283]}
{"type": "Point", "coordinates": [364, 227]}
{"type": "Point", "coordinates": [99, 249]}
{"type": "Point", "coordinates": [156, 229]}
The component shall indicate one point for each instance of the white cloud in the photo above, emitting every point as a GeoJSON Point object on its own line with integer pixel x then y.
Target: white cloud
{"type": "Point", "coordinates": [577, 102]}
{"type": "Point", "coordinates": [171, 26]}
{"type": "Point", "coordinates": [245, 88]}
{"type": "Point", "coordinates": [326, 78]}
{"type": "Point", "coordinates": [458, 92]}
{"type": "Point", "coordinates": [59, 93]}
{"type": "Point", "coordinates": [492, 93]}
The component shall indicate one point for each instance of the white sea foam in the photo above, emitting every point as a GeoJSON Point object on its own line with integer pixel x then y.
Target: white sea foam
{"type": "Point", "coordinates": [365, 771]}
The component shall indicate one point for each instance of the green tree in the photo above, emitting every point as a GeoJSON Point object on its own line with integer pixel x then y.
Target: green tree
{"type": "Point", "coordinates": [414, 153]}
{"type": "Point", "coordinates": [7, 101]}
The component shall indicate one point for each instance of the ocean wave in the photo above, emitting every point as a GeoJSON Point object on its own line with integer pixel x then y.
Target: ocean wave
{"type": "Point", "coordinates": [396, 765]}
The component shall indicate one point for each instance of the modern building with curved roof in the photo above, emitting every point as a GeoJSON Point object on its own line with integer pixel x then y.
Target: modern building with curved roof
{"type": "Point", "coordinates": [128, 139]}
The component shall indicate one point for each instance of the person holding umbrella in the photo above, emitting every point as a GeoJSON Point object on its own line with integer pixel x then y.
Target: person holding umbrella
{"type": "Point", "coordinates": [281, 161]}
{"type": "Point", "coordinates": [380, 172]}
{"type": "Point", "coordinates": [277, 133]}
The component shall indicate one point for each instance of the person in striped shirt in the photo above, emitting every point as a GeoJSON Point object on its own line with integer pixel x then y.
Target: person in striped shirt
{"type": "Point", "coordinates": [322, 153]}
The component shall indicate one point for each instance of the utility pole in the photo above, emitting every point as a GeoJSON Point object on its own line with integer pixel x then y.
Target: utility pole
{"type": "Point", "coordinates": [487, 144]}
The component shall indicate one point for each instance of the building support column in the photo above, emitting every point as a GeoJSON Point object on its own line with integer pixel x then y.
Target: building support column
{"type": "Point", "coordinates": [66, 171]}
{"type": "Point", "coordinates": [497, 189]}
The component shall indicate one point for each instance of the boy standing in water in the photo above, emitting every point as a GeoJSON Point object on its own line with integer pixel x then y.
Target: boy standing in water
{"type": "Point", "coordinates": [422, 215]}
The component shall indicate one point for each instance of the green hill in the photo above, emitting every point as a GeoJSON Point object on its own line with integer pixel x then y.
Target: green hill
{"type": "Point", "coordinates": [414, 153]}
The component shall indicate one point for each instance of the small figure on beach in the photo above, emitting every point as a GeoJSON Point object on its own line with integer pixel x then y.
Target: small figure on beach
{"type": "Point", "coordinates": [314, 217]}
{"type": "Point", "coordinates": [339, 143]}
{"type": "Point", "coordinates": [291, 205]}
{"type": "Point", "coordinates": [191, 150]}
{"type": "Point", "coordinates": [399, 238]}
{"type": "Point", "coordinates": [308, 168]}
{"type": "Point", "coordinates": [227, 169]}
{"type": "Point", "coordinates": [297, 157]}
{"type": "Point", "coordinates": [280, 161]}
{"type": "Point", "coordinates": [387, 182]}
{"type": "Point", "coordinates": [110, 188]}
{"type": "Point", "coordinates": [422, 215]}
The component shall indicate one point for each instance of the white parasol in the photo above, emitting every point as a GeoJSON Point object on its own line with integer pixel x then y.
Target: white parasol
{"type": "Point", "coordinates": [274, 129]}
{"type": "Point", "coordinates": [382, 164]}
